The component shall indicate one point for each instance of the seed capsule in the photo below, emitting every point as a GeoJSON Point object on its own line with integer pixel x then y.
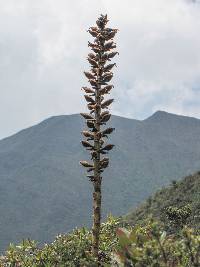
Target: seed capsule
{"type": "Point", "coordinates": [86, 116]}
{"type": "Point", "coordinates": [101, 38]}
{"type": "Point", "coordinates": [109, 45]}
{"type": "Point", "coordinates": [93, 107]}
{"type": "Point", "coordinates": [91, 125]}
{"type": "Point", "coordinates": [104, 57]}
{"type": "Point", "coordinates": [89, 75]}
{"type": "Point", "coordinates": [91, 55]}
{"type": "Point", "coordinates": [104, 159]}
{"type": "Point", "coordinates": [107, 147]}
{"type": "Point", "coordinates": [104, 163]}
{"type": "Point", "coordinates": [88, 90]}
{"type": "Point", "coordinates": [105, 118]}
{"type": "Point", "coordinates": [107, 131]}
{"type": "Point", "coordinates": [112, 54]}
{"type": "Point", "coordinates": [103, 114]}
{"type": "Point", "coordinates": [111, 34]}
{"type": "Point", "coordinates": [105, 90]}
{"type": "Point", "coordinates": [100, 23]}
{"type": "Point", "coordinates": [86, 164]}
{"type": "Point", "coordinates": [95, 70]}
{"type": "Point", "coordinates": [106, 103]}
{"type": "Point", "coordinates": [92, 45]}
{"type": "Point", "coordinates": [96, 49]}
{"type": "Point", "coordinates": [109, 67]}
{"type": "Point", "coordinates": [87, 144]}
{"type": "Point", "coordinates": [107, 77]}
{"type": "Point", "coordinates": [94, 33]}
{"type": "Point", "coordinates": [88, 134]}
{"type": "Point", "coordinates": [93, 62]}
{"type": "Point", "coordinates": [93, 83]}
{"type": "Point", "coordinates": [94, 28]}
{"type": "Point", "coordinates": [89, 99]}
{"type": "Point", "coordinates": [102, 91]}
{"type": "Point", "coordinates": [90, 107]}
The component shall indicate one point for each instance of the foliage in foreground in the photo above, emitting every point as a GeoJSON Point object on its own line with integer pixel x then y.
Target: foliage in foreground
{"type": "Point", "coordinates": [151, 246]}
{"type": "Point", "coordinates": [71, 250]}
{"type": "Point", "coordinates": [120, 246]}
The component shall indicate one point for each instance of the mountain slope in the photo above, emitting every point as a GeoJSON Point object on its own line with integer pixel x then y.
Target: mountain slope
{"type": "Point", "coordinates": [44, 191]}
{"type": "Point", "coordinates": [178, 194]}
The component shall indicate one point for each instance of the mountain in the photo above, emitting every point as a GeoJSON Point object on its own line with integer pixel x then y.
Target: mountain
{"type": "Point", "coordinates": [180, 194]}
{"type": "Point", "coordinates": [44, 191]}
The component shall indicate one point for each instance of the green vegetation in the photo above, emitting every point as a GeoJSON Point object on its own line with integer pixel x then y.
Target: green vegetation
{"type": "Point", "coordinates": [120, 246]}
{"type": "Point", "coordinates": [71, 250]}
{"type": "Point", "coordinates": [151, 246]}
{"type": "Point", "coordinates": [166, 234]}
{"type": "Point", "coordinates": [176, 205]}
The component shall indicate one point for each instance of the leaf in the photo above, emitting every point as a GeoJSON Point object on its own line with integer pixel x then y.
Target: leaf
{"type": "Point", "coordinates": [163, 237]}
{"type": "Point", "coordinates": [123, 235]}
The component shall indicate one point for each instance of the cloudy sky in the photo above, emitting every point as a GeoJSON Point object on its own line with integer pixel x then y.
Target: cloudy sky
{"type": "Point", "coordinates": [43, 49]}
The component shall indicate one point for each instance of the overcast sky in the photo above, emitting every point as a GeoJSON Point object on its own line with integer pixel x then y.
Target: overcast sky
{"type": "Point", "coordinates": [43, 49]}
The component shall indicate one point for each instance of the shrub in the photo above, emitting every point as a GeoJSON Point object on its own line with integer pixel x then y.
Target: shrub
{"type": "Point", "coordinates": [120, 245]}
{"type": "Point", "coordinates": [151, 246]}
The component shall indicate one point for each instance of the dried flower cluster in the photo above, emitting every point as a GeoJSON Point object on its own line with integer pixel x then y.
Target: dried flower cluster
{"type": "Point", "coordinates": [99, 76]}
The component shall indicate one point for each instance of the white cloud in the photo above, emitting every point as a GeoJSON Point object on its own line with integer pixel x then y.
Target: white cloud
{"type": "Point", "coordinates": [43, 48]}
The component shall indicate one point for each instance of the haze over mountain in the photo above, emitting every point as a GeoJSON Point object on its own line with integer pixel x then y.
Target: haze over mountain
{"type": "Point", "coordinates": [44, 191]}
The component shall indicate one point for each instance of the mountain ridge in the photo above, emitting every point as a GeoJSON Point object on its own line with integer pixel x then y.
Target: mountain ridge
{"type": "Point", "coordinates": [156, 114]}
{"type": "Point", "coordinates": [44, 191]}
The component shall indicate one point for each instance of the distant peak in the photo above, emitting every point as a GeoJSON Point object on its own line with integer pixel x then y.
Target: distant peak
{"type": "Point", "coordinates": [160, 115]}
{"type": "Point", "coordinates": [163, 115]}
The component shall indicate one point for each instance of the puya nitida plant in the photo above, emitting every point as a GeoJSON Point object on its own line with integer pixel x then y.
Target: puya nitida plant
{"type": "Point", "coordinates": [98, 105]}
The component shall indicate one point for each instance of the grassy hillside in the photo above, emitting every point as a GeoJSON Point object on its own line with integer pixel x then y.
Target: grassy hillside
{"type": "Point", "coordinates": [180, 196]}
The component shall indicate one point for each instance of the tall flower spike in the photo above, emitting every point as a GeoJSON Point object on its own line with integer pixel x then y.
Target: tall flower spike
{"type": "Point", "coordinates": [99, 75]}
